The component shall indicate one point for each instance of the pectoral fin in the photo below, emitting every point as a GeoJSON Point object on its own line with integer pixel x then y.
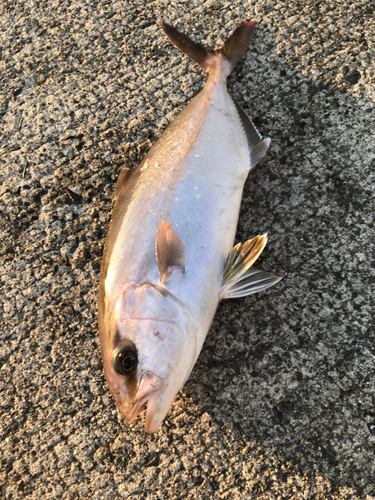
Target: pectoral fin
{"type": "Point", "coordinates": [170, 252]}
{"type": "Point", "coordinates": [240, 278]}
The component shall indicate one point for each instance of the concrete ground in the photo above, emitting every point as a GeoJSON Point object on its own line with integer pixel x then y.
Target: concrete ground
{"type": "Point", "coordinates": [281, 403]}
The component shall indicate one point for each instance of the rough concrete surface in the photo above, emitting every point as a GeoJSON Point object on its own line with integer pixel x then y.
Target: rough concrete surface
{"type": "Point", "coordinates": [281, 401]}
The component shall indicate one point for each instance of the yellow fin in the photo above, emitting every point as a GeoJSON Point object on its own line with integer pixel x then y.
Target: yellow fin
{"type": "Point", "coordinates": [240, 278]}
{"type": "Point", "coordinates": [242, 257]}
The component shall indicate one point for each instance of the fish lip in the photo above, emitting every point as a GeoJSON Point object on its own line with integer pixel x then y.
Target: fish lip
{"type": "Point", "coordinates": [137, 408]}
{"type": "Point", "coordinates": [152, 424]}
{"type": "Point", "coordinates": [150, 387]}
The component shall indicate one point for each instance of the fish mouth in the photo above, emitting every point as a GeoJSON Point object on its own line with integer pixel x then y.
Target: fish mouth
{"type": "Point", "coordinates": [149, 390]}
{"type": "Point", "coordinates": [153, 416]}
{"type": "Point", "coordinates": [137, 408]}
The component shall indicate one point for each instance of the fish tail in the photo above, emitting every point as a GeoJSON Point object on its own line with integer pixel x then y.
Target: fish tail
{"type": "Point", "coordinates": [232, 51]}
{"type": "Point", "coordinates": [236, 44]}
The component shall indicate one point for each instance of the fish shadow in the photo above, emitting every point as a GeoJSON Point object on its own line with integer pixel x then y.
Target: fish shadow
{"type": "Point", "coordinates": [293, 368]}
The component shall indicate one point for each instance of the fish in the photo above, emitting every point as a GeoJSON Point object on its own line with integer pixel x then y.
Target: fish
{"type": "Point", "coordinates": [168, 257]}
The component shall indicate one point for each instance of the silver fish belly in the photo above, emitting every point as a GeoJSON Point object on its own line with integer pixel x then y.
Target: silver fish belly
{"type": "Point", "coordinates": [168, 258]}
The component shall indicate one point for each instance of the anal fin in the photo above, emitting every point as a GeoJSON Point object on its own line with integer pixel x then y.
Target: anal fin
{"type": "Point", "coordinates": [256, 144]}
{"type": "Point", "coordinates": [240, 278]}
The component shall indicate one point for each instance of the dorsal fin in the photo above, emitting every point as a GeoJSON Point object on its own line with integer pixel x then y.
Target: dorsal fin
{"type": "Point", "coordinates": [255, 142]}
{"type": "Point", "coordinates": [170, 252]}
{"type": "Point", "coordinates": [122, 180]}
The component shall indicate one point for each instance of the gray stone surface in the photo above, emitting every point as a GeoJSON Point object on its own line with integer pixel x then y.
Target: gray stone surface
{"type": "Point", "coordinates": [281, 401]}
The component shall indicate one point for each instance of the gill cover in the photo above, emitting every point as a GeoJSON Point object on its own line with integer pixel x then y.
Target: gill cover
{"type": "Point", "coordinates": [154, 349]}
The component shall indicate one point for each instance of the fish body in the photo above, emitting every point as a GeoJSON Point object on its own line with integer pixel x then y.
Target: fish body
{"type": "Point", "coordinates": [168, 257]}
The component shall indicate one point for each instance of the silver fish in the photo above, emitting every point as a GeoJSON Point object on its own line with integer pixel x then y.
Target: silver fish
{"type": "Point", "coordinates": [168, 257]}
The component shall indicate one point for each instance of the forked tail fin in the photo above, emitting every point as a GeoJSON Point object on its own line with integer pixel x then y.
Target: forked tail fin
{"type": "Point", "coordinates": [232, 51]}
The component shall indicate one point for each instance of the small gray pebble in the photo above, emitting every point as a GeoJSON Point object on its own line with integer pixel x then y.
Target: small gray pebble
{"type": "Point", "coordinates": [40, 79]}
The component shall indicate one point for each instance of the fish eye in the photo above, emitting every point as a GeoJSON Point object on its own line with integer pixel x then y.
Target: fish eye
{"type": "Point", "coordinates": [125, 360]}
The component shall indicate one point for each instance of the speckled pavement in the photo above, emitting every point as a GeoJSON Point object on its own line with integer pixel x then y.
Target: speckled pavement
{"type": "Point", "coordinates": [281, 403]}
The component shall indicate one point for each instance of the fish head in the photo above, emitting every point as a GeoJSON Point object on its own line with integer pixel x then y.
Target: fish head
{"type": "Point", "coordinates": [152, 352]}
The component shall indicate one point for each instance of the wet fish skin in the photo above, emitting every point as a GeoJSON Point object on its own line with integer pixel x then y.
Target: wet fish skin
{"type": "Point", "coordinates": [168, 257]}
